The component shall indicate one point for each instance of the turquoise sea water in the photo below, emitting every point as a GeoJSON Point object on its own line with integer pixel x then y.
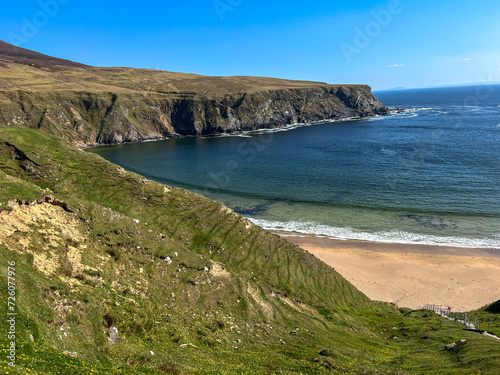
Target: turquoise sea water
{"type": "Point", "coordinates": [427, 176]}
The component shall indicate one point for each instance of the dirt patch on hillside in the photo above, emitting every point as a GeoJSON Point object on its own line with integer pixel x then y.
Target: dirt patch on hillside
{"type": "Point", "coordinates": [292, 302]}
{"type": "Point", "coordinates": [40, 229]}
{"type": "Point", "coordinates": [219, 271]}
{"type": "Point", "coordinates": [257, 297]}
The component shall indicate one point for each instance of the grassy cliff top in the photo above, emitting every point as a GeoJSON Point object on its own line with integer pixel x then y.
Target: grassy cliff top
{"type": "Point", "coordinates": [22, 69]}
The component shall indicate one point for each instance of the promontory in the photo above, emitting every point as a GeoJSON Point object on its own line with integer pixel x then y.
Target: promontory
{"type": "Point", "coordinates": [90, 106]}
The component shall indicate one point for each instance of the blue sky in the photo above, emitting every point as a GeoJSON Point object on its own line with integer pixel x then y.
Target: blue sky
{"type": "Point", "coordinates": [381, 43]}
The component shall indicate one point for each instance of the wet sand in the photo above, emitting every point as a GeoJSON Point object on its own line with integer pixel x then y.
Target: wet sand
{"type": "Point", "coordinates": [413, 275]}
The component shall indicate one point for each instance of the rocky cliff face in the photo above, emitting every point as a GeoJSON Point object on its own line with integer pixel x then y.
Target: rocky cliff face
{"type": "Point", "coordinates": [90, 105]}
{"type": "Point", "coordinates": [107, 118]}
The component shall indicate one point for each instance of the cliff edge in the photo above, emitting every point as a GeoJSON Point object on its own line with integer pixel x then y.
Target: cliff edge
{"type": "Point", "coordinates": [91, 106]}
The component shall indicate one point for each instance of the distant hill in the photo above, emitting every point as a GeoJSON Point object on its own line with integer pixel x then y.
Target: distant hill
{"type": "Point", "coordinates": [58, 74]}
{"type": "Point", "coordinates": [89, 105]}
{"type": "Point", "coordinates": [13, 54]}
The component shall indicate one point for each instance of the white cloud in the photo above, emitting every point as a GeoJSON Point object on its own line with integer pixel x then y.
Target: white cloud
{"type": "Point", "coordinates": [466, 59]}
{"type": "Point", "coordinates": [395, 65]}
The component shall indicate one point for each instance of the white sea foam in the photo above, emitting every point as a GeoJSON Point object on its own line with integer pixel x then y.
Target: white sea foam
{"type": "Point", "coordinates": [154, 139]}
{"type": "Point", "coordinates": [393, 236]}
{"type": "Point", "coordinates": [288, 127]}
{"type": "Point", "coordinates": [408, 112]}
{"type": "Point", "coordinates": [313, 123]}
{"type": "Point", "coordinates": [416, 109]}
{"type": "Point", "coordinates": [227, 135]}
{"type": "Point", "coordinates": [376, 118]}
{"type": "Point", "coordinates": [410, 115]}
{"type": "Point", "coordinates": [466, 106]}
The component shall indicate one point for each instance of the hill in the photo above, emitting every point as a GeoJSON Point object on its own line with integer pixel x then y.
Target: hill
{"type": "Point", "coordinates": [494, 308]}
{"type": "Point", "coordinates": [183, 283]}
{"type": "Point", "coordinates": [23, 67]}
{"type": "Point", "coordinates": [91, 105]}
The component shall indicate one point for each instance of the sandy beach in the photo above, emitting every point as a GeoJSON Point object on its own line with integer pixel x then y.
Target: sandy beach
{"type": "Point", "coordinates": [413, 275]}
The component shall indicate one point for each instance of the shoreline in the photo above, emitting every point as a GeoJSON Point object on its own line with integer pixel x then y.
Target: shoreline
{"type": "Point", "coordinates": [412, 275]}
{"type": "Point", "coordinates": [330, 243]}
{"type": "Point", "coordinates": [286, 127]}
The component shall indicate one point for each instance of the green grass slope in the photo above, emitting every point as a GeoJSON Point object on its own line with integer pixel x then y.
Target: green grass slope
{"type": "Point", "coordinates": [191, 286]}
{"type": "Point", "coordinates": [489, 318]}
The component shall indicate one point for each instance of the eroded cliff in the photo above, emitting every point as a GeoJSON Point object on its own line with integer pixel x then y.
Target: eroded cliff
{"type": "Point", "coordinates": [90, 105]}
{"type": "Point", "coordinates": [105, 118]}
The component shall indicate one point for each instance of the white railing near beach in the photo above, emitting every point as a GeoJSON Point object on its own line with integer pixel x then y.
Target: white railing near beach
{"type": "Point", "coordinates": [458, 317]}
{"type": "Point", "coordinates": [471, 323]}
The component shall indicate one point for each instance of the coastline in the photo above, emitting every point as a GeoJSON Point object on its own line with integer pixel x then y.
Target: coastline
{"type": "Point", "coordinates": [329, 243]}
{"type": "Point", "coordinates": [412, 275]}
{"type": "Point", "coordinates": [286, 127]}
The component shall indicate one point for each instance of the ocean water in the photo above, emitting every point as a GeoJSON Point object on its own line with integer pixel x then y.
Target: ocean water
{"type": "Point", "coordinates": [430, 175]}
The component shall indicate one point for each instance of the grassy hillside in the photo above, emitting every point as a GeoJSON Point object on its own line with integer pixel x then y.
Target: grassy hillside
{"type": "Point", "coordinates": [489, 318]}
{"type": "Point", "coordinates": [22, 69]}
{"type": "Point", "coordinates": [190, 286]}
{"type": "Point", "coordinates": [494, 308]}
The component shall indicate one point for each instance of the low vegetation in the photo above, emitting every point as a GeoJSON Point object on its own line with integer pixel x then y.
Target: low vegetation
{"type": "Point", "coordinates": [22, 69]}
